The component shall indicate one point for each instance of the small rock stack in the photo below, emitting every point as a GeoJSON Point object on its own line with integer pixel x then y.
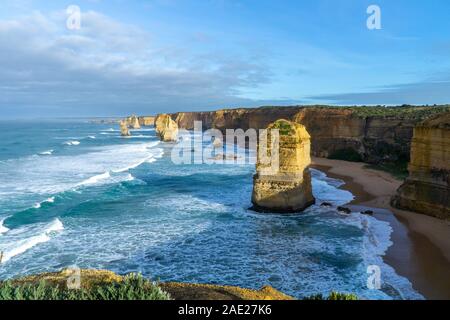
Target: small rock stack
{"type": "Point", "coordinates": [133, 122]}
{"type": "Point", "coordinates": [124, 128]}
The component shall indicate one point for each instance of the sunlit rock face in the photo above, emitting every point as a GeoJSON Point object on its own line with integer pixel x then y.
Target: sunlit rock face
{"type": "Point", "coordinates": [124, 128]}
{"type": "Point", "coordinates": [133, 122]}
{"type": "Point", "coordinates": [427, 189]}
{"type": "Point", "coordinates": [166, 128]}
{"type": "Point", "coordinates": [373, 138]}
{"type": "Point", "coordinates": [146, 121]}
{"type": "Point", "coordinates": [285, 188]}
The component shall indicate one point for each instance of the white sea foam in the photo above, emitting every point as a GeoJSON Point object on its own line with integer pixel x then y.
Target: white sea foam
{"type": "Point", "coordinates": [39, 204]}
{"type": "Point", "coordinates": [142, 129]}
{"type": "Point", "coordinates": [95, 179]}
{"type": "Point", "coordinates": [326, 189]}
{"type": "Point", "coordinates": [3, 229]}
{"type": "Point", "coordinates": [91, 137]}
{"type": "Point", "coordinates": [141, 136]}
{"type": "Point", "coordinates": [59, 173]}
{"type": "Point", "coordinates": [72, 143]}
{"type": "Point", "coordinates": [15, 247]}
{"type": "Point", "coordinates": [46, 153]}
{"type": "Point", "coordinates": [376, 242]}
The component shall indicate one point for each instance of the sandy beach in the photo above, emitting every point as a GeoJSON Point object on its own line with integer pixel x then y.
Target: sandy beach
{"type": "Point", "coordinates": [421, 244]}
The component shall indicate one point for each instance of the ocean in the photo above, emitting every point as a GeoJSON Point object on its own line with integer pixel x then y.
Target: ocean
{"type": "Point", "coordinates": [75, 193]}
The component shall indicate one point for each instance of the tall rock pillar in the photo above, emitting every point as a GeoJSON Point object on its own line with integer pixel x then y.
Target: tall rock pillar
{"type": "Point", "coordinates": [287, 188]}
{"type": "Point", "coordinates": [124, 128]}
{"type": "Point", "coordinates": [427, 189]}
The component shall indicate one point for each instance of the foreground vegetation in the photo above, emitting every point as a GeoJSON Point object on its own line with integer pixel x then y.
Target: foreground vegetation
{"type": "Point", "coordinates": [133, 287]}
{"type": "Point", "coordinates": [106, 285]}
{"type": "Point", "coordinates": [333, 296]}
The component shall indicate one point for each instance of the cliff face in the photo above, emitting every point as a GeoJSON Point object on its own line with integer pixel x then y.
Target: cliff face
{"type": "Point", "coordinates": [146, 121]}
{"type": "Point", "coordinates": [427, 189]}
{"type": "Point", "coordinates": [286, 187]}
{"type": "Point", "coordinates": [374, 138]}
{"type": "Point", "coordinates": [166, 128]}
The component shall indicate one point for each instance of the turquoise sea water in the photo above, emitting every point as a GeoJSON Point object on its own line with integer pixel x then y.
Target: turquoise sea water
{"type": "Point", "coordinates": [76, 193]}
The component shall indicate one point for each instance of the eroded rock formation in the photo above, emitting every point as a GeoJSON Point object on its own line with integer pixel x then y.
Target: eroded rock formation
{"type": "Point", "coordinates": [373, 137]}
{"type": "Point", "coordinates": [124, 128]}
{"type": "Point", "coordinates": [287, 187]}
{"type": "Point", "coordinates": [133, 122]}
{"type": "Point", "coordinates": [146, 121]}
{"type": "Point", "coordinates": [427, 189]}
{"type": "Point", "coordinates": [166, 128]}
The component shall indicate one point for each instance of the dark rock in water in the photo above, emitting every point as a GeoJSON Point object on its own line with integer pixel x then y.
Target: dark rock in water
{"type": "Point", "coordinates": [344, 210]}
{"type": "Point", "coordinates": [367, 212]}
{"type": "Point", "coordinates": [326, 204]}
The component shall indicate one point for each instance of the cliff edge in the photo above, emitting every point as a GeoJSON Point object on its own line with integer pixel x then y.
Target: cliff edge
{"type": "Point", "coordinates": [427, 189]}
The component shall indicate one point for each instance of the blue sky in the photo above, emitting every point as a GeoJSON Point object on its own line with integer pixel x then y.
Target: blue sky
{"type": "Point", "coordinates": [170, 55]}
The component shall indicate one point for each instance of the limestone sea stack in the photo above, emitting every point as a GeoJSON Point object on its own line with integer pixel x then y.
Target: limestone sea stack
{"type": "Point", "coordinates": [286, 189]}
{"type": "Point", "coordinates": [124, 128]}
{"type": "Point", "coordinates": [166, 128]}
{"type": "Point", "coordinates": [133, 122]}
{"type": "Point", "coordinates": [427, 189]}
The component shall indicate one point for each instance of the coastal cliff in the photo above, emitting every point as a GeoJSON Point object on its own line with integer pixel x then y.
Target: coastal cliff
{"type": "Point", "coordinates": [166, 128]}
{"type": "Point", "coordinates": [427, 189]}
{"type": "Point", "coordinates": [146, 121]}
{"type": "Point", "coordinates": [285, 187]}
{"type": "Point", "coordinates": [370, 134]}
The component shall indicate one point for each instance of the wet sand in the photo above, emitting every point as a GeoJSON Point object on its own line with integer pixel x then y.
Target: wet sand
{"type": "Point", "coordinates": [421, 244]}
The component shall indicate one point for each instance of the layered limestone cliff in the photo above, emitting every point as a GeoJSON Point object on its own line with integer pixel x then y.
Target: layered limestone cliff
{"type": "Point", "coordinates": [146, 121]}
{"type": "Point", "coordinates": [283, 184]}
{"type": "Point", "coordinates": [166, 128]}
{"type": "Point", "coordinates": [124, 128]}
{"type": "Point", "coordinates": [427, 189]}
{"type": "Point", "coordinates": [374, 138]}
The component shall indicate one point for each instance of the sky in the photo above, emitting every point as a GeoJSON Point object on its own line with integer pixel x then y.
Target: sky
{"type": "Point", "coordinates": [155, 56]}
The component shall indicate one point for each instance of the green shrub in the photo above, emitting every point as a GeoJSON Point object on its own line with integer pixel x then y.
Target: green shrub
{"type": "Point", "coordinates": [347, 154]}
{"type": "Point", "coordinates": [283, 126]}
{"type": "Point", "coordinates": [133, 287]}
{"type": "Point", "coordinates": [333, 296]}
{"type": "Point", "coordinates": [397, 169]}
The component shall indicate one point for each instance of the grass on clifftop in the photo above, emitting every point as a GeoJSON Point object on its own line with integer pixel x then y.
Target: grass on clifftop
{"type": "Point", "coordinates": [403, 111]}
{"type": "Point", "coordinates": [133, 287]}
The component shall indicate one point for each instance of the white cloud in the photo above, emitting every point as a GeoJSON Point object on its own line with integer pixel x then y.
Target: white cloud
{"type": "Point", "coordinates": [110, 67]}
